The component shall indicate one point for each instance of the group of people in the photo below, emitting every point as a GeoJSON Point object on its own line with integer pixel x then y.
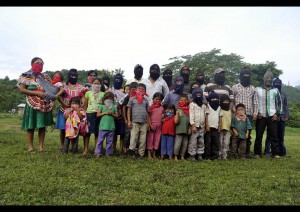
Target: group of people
{"type": "Point", "coordinates": [168, 116]}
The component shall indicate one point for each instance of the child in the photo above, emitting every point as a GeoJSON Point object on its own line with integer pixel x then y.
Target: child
{"type": "Point", "coordinates": [198, 121]}
{"type": "Point", "coordinates": [76, 124]}
{"type": "Point", "coordinates": [172, 97]}
{"type": "Point", "coordinates": [94, 98]}
{"type": "Point", "coordinates": [138, 107]}
{"type": "Point", "coordinates": [214, 124]}
{"type": "Point", "coordinates": [226, 125]}
{"type": "Point", "coordinates": [168, 132]}
{"type": "Point", "coordinates": [107, 112]}
{"type": "Point", "coordinates": [57, 80]}
{"type": "Point", "coordinates": [127, 131]}
{"type": "Point", "coordinates": [182, 127]}
{"type": "Point", "coordinates": [154, 133]}
{"type": "Point", "coordinates": [240, 127]}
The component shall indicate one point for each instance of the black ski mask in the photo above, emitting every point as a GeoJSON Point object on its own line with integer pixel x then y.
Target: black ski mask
{"type": "Point", "coordinates": [219, 78]}
{"type": "Point", "coordinates": [72, 76]}
{"type": "Point", "coordinates": [224, 102]}
{"type": "Point", "coordinates": [167, 76]}
{"type": "Point", "coordinates": [185, 73]}
{"type": "Point", "coordinates": [277, 83]}
{"type": "Point", "coordinates": [106, 80]}
{"type": "Point", "coordinates": [213, 100]}
{"type": "Point", "coordinates": [268, 78]}
{"type": "Point", "coordinates": [200, 77]}
{"type": "Point", "coordinates": [245, 77]}
{"type": "Point", "coordinates": [154, 71]}
{"type": "Point", "coordinates": [138, 72]}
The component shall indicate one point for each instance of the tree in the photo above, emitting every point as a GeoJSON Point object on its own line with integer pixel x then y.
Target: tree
{"type": "Point", "coordinates": [232, 63]}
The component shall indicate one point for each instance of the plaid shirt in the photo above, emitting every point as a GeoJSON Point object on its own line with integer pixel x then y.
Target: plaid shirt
{"type": "Point", "coordinates": [247, 96]}
{"type": "Point", "coordinates": [269, 101]}
{"type": "Point", "coordinates": [285, 109]}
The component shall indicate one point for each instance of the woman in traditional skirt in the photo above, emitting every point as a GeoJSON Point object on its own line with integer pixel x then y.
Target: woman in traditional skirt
{"type": "Point", "coordinates": [38, 109]}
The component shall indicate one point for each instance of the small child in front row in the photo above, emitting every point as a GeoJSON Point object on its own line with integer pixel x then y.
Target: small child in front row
{"type": "Point", "coordinates": [108, 112]}
{"type": "Point", "coordinates": [76, 124]}
{"type": "Point", "coordinates": [182, 127]}
{"type": "Point", "coordinates": [168, 132]}
{"type": "Point", "coordinates": [198, 121]}
{"type": "Point", "coordinates": [240, 126]}
{"type": "Point", "coordinates": [213, 127]}
{"type": "Point", "coordinates": [226, 126]}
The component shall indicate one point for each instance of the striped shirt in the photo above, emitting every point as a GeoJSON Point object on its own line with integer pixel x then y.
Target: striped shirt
{"type": "Point", "coordinates": [269, 101]}
{"type": "Point", "coordinates": [247, 96]}
{"type": "Point", "coordinates": [285, 109]}
{"type": "Point", "coordinates": [219, 89]}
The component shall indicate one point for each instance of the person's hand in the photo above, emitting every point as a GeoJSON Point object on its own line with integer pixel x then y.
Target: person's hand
{"type": "Point", "coordinates": [129, 124]}
{"type": "Point", "coordinates": [274, 118]}
{"type": "Point", "coordinates": [42, 94]}
{"type": "Point", "coordinates": [254, 117]}
{"type": "Point", "coordinates": [235, 134]}
{"type": "Point", "coordinates": [259, 116]}
{"type": "Point", "coordinates": [109, 112]}
{"type": "Point", "coordinates": [194, 129]}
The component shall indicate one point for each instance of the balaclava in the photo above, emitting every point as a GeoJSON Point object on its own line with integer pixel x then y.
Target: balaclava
{"type": "Point", "coordinates": [198, 100]}
{"type": "Point", "coordinates": [223, 99]}
{"type": "Point", "coordinates": [106, 80]}
{"type": "Point", "coordinates": [167, 76]}
{"type": "Point", "coordinates": [245, 77]}
{"type": "Point", "coordinates": [277, 83]}
{"type": "Point", "coordinates": [200, 77]}
{"type": "Point", "coordinates": [138, 72]}
{"type": "Point", "coordinates": [185, 73]}
{"type": "Point", "coordinates": [178, 85]}
{"type": "Point", "coordinates": [268, 78]}
{"type": "Point", "coordinates": [219, 78]}
{"type": "Point", "coordinates": [154, 71]}
{"type": "Point", "coordinates": [213, 99]}
{"type": "Point", "coordinates": [72, 76]}
{"type": "Point", "coordinates": [118, 81]}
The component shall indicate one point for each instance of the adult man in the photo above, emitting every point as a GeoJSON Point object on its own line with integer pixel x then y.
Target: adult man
{"type": "Point", "coordinates": [168, 76]}
{"type": "Point", "coordinates": [185, 73]}
{"type": "Point", "coordinates": [138, 74]}
{"type": "Point", "coordinates": [246, 94]}
{"type": "Point", "coordinates": [154, 83]}
{"type": "Point", "coordinates": [269, 109]}
{"type": "Point", "coordinates": [219, 87]}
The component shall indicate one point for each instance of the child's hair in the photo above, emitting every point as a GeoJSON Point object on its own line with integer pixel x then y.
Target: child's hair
{"type": "Point", "coordinates": [75, 100]}
{"type": "Point", "coordinates": [192, 84]}
{"type": "Point", "coordinates": [141, 85]}
{"type": "Point", "coordinates": [107, 95]}
{"type": "Point", "coordinates": [240, 105]}
{"type": "Point", "coordinates": [97, 79]}
{"type": "Point", "coordinates": [183, 95]}
{"type": "Point", "coordinates": [133, 85]}
{"type": "Point", "coordinates": [170, 106]}
{"type": "Point", "coordinates": [158, 94]}
{"type": "Point", "coordinates": [91, 72]}
{"type": "Point", "coordinates": [126, 86]}
{"type": "Point", "coordinates": [60, 74]}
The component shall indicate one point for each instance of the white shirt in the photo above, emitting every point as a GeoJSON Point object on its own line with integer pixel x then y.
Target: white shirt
{"type": "Point", "coordinates": [159, 85]}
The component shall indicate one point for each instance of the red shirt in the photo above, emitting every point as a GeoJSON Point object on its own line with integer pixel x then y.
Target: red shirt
{"type": "Point", "coordinates": [169, 126]}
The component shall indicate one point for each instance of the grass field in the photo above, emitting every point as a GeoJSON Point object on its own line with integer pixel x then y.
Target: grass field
{"type": "Point", "coordinates": [55, 179]}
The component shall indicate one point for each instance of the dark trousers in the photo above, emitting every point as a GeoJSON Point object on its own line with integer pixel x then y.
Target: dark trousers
{"type": "Point", "coordinates": [261, 125]}
{"type": "Point", "coordinates": [212, 144]}
{"type": "Point", "coordinates": [74, 145]}
{"type": "Point", "coordinates": [280, 135]}
{"type": "Point", "coordinates": [238, 147]}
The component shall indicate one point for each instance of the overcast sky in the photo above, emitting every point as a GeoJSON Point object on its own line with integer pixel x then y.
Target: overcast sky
{"type": "Point", "coordinates": [120, 37]}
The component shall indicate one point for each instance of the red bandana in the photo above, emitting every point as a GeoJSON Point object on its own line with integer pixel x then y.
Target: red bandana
{"type": "Point", "coordinates": [184, 107]}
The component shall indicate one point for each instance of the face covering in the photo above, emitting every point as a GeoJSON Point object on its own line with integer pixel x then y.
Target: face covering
{"type": "Point", "coordinates": [140, 95]}
{"type": "Point", "coordinates": [154, 74]}
{"type": "Point", "coordinates": [178, 85]}
{"type": "Point", "coordinates": [156, 104]}
{"type": "Point", "coordinates": [90, 79]}
{"type": "Point", "coordinates": [185, 77]}
{"type": "Point", "coordinates": [169, 113]}
{"type": "Point", "coordinates": [55, 79]}
{"type": "Point", "coordinates": [167, 76]}
{"type": "Point", "coordinates": [268, 78]}
{"type": "Point", "coordinates": [118, 81]}
{"type": "Point", "coordinates": [245, 78]}
{"type": "Point", "coordinates": [109, 103]}
{"type": "Point", "coordinates": [106, 81]}
{"type": "Point", "coordinates": [197, 99]}
{"type": "Point", "coordinates": [184, 106]}
{"type": "Point", "coordinates": [219, 78]}
{"type": "Point", "coordinates": [213, 100]}
{"type": "Point", "coordinates": [37, 68]}
{"type": "Point", "coordinates": [224, 102]}
{"type": "Point", "coordinates": [138, 73]}
{"type": "Point", "coordinates": [200, 78]}
{"type": "Point", "coordinates": [277, 84]}
{"type": "Point", "coordinates": [132, 93]}
{"type": "Point", "coordinates": [96, 88]}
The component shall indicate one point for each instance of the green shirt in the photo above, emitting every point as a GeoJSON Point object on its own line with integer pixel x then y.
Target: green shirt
{"type": "Point", "coordinates": [93, 103]}
{"type": "Point", "coordinates": [107, 121]}
{"type": "Point", "coordinates": [241, 126]}
{"type": "Point", "coordinates": [183, 126]}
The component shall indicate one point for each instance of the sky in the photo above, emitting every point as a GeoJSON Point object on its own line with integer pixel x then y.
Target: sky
{"type": "Point", "coordinates": [112, 38]}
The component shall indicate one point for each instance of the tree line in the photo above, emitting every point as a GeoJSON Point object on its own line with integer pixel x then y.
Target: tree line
{"type": "Point", "coordinates": [207, 62]}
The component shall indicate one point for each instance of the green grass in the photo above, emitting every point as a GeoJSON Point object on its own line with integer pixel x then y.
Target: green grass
{"type": "Point", "coordinates": [56, 179]}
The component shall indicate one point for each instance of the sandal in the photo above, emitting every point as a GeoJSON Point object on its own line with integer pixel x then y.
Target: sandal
{"type": "Point", "coordinates": [42, 151]}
